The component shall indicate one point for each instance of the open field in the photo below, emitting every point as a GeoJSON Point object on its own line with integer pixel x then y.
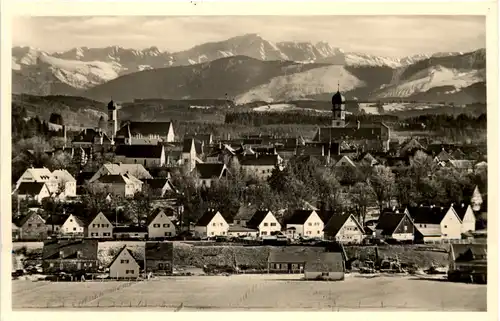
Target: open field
{"type": "Point", "coordinates": [255, 292]}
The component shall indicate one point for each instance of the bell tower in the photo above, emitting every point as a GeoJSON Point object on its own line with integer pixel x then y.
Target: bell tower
{"type": "Point", "coordinates": [112, 120]}
{"type": "Point", "coordinates": [338, 109]}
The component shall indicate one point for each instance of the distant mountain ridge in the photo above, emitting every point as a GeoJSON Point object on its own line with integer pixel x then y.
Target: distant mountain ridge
{"type": "Point", "coordinates": [96, 72]}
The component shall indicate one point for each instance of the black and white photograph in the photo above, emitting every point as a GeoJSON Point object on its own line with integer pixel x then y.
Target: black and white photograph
{"type": "Point", "coordinates": [240, 163]}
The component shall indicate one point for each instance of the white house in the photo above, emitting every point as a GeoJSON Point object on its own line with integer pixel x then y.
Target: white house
{"type": "Point", "coordinates": [344, 228]}
{"type": "Point", "coordinates": [160, 225]}
{"type": "Point", "coordinates": [36, 191]}
{"type": "Point", "coordinates": [73, 225]}
{"type": "Point", "coordinates": [124, 265]}
{"type": "Point", "coordinates": [265, 222]}
{"type": "Point", "coordinates": [211, 224]}
{"type": "Point", "coordinates": [119, 185]}
{"type": "Point", "coordinates": [466, 215]}
{"type": "Point", "coordinates": [433, 223]}
{"type": "Point", "coordinates": [305, 223]}
{"type": "Point", "coordinates": [39, 175]}
{"type": "Point", "coordinates": [137, 170]}
{"type": "Point", "coordinates": [66, 183]}
{"type": "Point", "coordinates": [100, 227]}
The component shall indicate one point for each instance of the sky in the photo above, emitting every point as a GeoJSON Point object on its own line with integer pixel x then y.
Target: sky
{"type": "Point", "coordinates": [394, 36]}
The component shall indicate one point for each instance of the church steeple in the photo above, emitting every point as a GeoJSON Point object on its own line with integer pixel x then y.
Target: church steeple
{"type": "Point", "coordinates": [338, 108]}
{"type": "Point", "coordinates": [112, 120]}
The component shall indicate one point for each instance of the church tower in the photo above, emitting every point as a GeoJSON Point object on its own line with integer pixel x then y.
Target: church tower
{"type": "Point", "coordinates": [338, 109]}
{"type": "Point", "coordinates": [112, 120]}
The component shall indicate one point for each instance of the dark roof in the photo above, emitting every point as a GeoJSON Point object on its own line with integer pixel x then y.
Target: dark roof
{"type": "Point", "coordinates": [132, 254]}
{"type": "Point", "coordinates": [130, 229]}
{"type": "Point", "coordinates": [30, 188]}
{"type": "Point", "coordinates": [469, 252]}
{"type": "Point", "coordinates": [325, 215]}
{"type": "Point", "coordinates": [139, 151]}
{"type": "Point", "coordinates": [460, 209]}
{"type": "Point", "coordinates": [52, 249]}
{"type": "Point", "coordinates": [154, 214]}
{"type": "Point", "coordinates": [209, 170]}
{"type": "Point", "coordinates": [159, 251]}
{"type": "Point", "coordinates": [57, 219]}
{"type": "Point", "coordinates": [206, 217]}
{"type": "Point", "coordinates": [326, 262]}
{"type": "Point", "coordinates": [336, 222]}
{"type": "Point", "coordinates": [20, 221]}
{"type": "Point", "coordinates": [187, 144]}
{"type": "Point", "coordinates": [299, 217]}
{"type": "Point", "coordinates": [427, 214]}
{"type": "Point", "coordinates": [157, 183]}
{"type": "Point", "coordinates": [90, 135]}
{"type": "Point", "coordinates": [237, 228]}
{"type": "Point", "coordinates": [388, 222]}
{"type": "Point", "coordinates": [112, 179]}
{"type": "Point", "coordinates": [257, 218]}
{"type": "Point", "coordinates": [145, 128]}
{"type": "Point", "coordinates": [245, 212]}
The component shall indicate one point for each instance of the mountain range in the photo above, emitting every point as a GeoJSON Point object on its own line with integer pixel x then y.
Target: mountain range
{"type": "Point", "coordinates": [249, 68]}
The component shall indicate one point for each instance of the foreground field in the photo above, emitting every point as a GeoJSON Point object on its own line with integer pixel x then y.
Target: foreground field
{"type": "Point", "coordinates": [254, 292]}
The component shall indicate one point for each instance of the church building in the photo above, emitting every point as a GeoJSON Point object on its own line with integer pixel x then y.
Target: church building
{"type": "Point", "coordinates": [359, 136]}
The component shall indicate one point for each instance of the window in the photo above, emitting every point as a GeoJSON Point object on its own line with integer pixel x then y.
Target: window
{"type": "Point", "coordinates": [98, 225]}
{"type": "Point", "coordinates": [124, 261]}
{"type": "Point", "coordinates": [168, 234]}
{"type": "Point", "coordinates": [425, 225]}
{"type": "Point", "coordinates": [38, 225]}
{"type": "Point", "coordinates": [318, 232]}
{"type": "Point", "coordinates": [406, 228]}
{"type": "Point", "coordinates": [166, 225]}
{"type": "Point", "coordinates": [446, 226]}
{"type": "Point", "coordinates": [214, 224]}
{"type": "Point", "coordinates": [324, 273]}
{"type": "Point", "coordinates": [310, 224]}
{"type": "Point", "coordinates": [74, 228]}
{"type": "Point", "coordinates": [212, 233]}
{"type": "Point", "coordinates": [93, 225]}
{"type": "Point", "coordinates": [106, 234]}
{"type": "Point", "coordinates": [266, 224]}
{"type": "Point", "coordinates": [71, 220]}
{"type": "Point", "coordinates": [263, 233]}
{"type": "Point", "coordinates": [29, 225]}
{"type": "Point", "coordinates": [221, 224]}
{"type": "Point", "coordinates": [156, 225]}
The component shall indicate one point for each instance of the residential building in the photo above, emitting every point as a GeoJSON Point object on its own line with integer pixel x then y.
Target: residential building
{"type": "Point", "coordinates": [160, 225]}
{"type": "Point", "coordinates": [433, 223]}
{"type": "Point", "coordinates": [74, 226]}
{"type": "Point", "coordinates": [54, 223]}
{"type": "Point", "coordinates": [476, 200]}
{"type": "Point", "coordinates": [160, 186]}
{"type": "Point", "coordinates": [244, 214]}
{"type": "Point", "coordinates": [124, 265]}
{"type": "Point", "coordinates": [70, 256]}
{"type": "Point", "coordinates": [100, 227]}
{"type": "Point", "coordinates": [395, 226]}
{"type": "Point", "coordinates": [467, 217]}
{"type": "Point", "coordinates": [36, 191]}
{"type": "Point", "coordinates": [468, 262]}
{"type": "Point", "coordinates": [241, 231]}
{"type": "Point", "coordinates": [124, 185]}
{"type": "Point", "coordinates": [304, 223]}
{"type": "Point", "coordinates": [260, 166]}
{"type": "Point", "coordinates": [38, 175]}
{"type": "Point", "coordinates": [344, 228]}
{"type": "Point", "coordinates": [345, 161]}
{"type": "Point", "coordinates": [290, 260]}
{"type": "Point", "coordinates": [159, 257]}
{"type": "Point", "coordinates": [146, 155]}
{"type": "Point", "coordinates": [208, 173]}
{"type": "Point", "coordinates": [91, 137]}
{"type": "Point", "coordinates": [211, 224]}
{"type": "Point", "coordinates": [265, 222]}
{"type": "Point", "coordinates": [66, 183]}
{"type": "Point", "coordinates": [190, 151]}
{"type": "Point", "coordinates": [31, 227]}
{"type": "Point", "coordinates": [328, 266]}
{"type": "Point", "coordinates": [137, 170]}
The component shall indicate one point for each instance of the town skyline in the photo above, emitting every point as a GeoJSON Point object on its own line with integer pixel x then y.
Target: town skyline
{"type": "Point", "coordinates": [367, 34]}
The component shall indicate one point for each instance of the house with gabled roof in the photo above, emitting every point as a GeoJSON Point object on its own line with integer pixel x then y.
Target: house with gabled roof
{"type": "Point", "coordinates": [31, 227]}
{"type": "Point", "coordinates": [160, 225]}
{"type": "Point", "coordinates": [368, 160]}
{"type": "Point", "coordinates": [160, 186]}
{"type": "Point", "coordinates": [34, 191]}
{"type": "Point", "coordinates": [100, 227]}
{"type": "Point", "coordinates": [329, 266]}
{"type": "Point", "coordinates": [66, 183]}
{"type": "Point", "coordinates": [260, 166]}
{"type": "Point", "coordinates": [124, 185]}
{"type": "Point", "coordinates": [244, 214]}
{"type": "Point", "coordinates": [90, 137]}
{"type": "Point", "coordinates": [469, 262]}
{"type": "Point", "coordinates": [124, 265]}
{"type": "Point", "coordinates": [70, 256]}
{"type": "Point", "coordinates": [265, 222]}
{"type": "Point", "coordinates": [395, 226]}
{"type": "Point", "coordinates": [467, 217]}
{"type": "Point", "coordinates": [146, 155]}
{"type": "Point", "coordinates": [137, 170]}
{"type": "Point", "coordinates": [74, 226]}
{"type": "Point", "coordinates": [476, 199]}
{"type": "Point", "coordinates": [304, 223]}
{"type": "Point", "coordinates": [159, 257]}
{"type": "Point", "coordinates": [54, 223]}
{"type": "Point", "coordinates": [344, 228]}
{"type": "Point", "coordinates": [191, 149]}
{"type": "Point", "coordinates": [211, 224]}
{"type": "Point", "coordinates": [344, 162]}
{"type": "Point", "coordinates": [209, 172]}
{"type": "Point", "coordinates": [434, 223]}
